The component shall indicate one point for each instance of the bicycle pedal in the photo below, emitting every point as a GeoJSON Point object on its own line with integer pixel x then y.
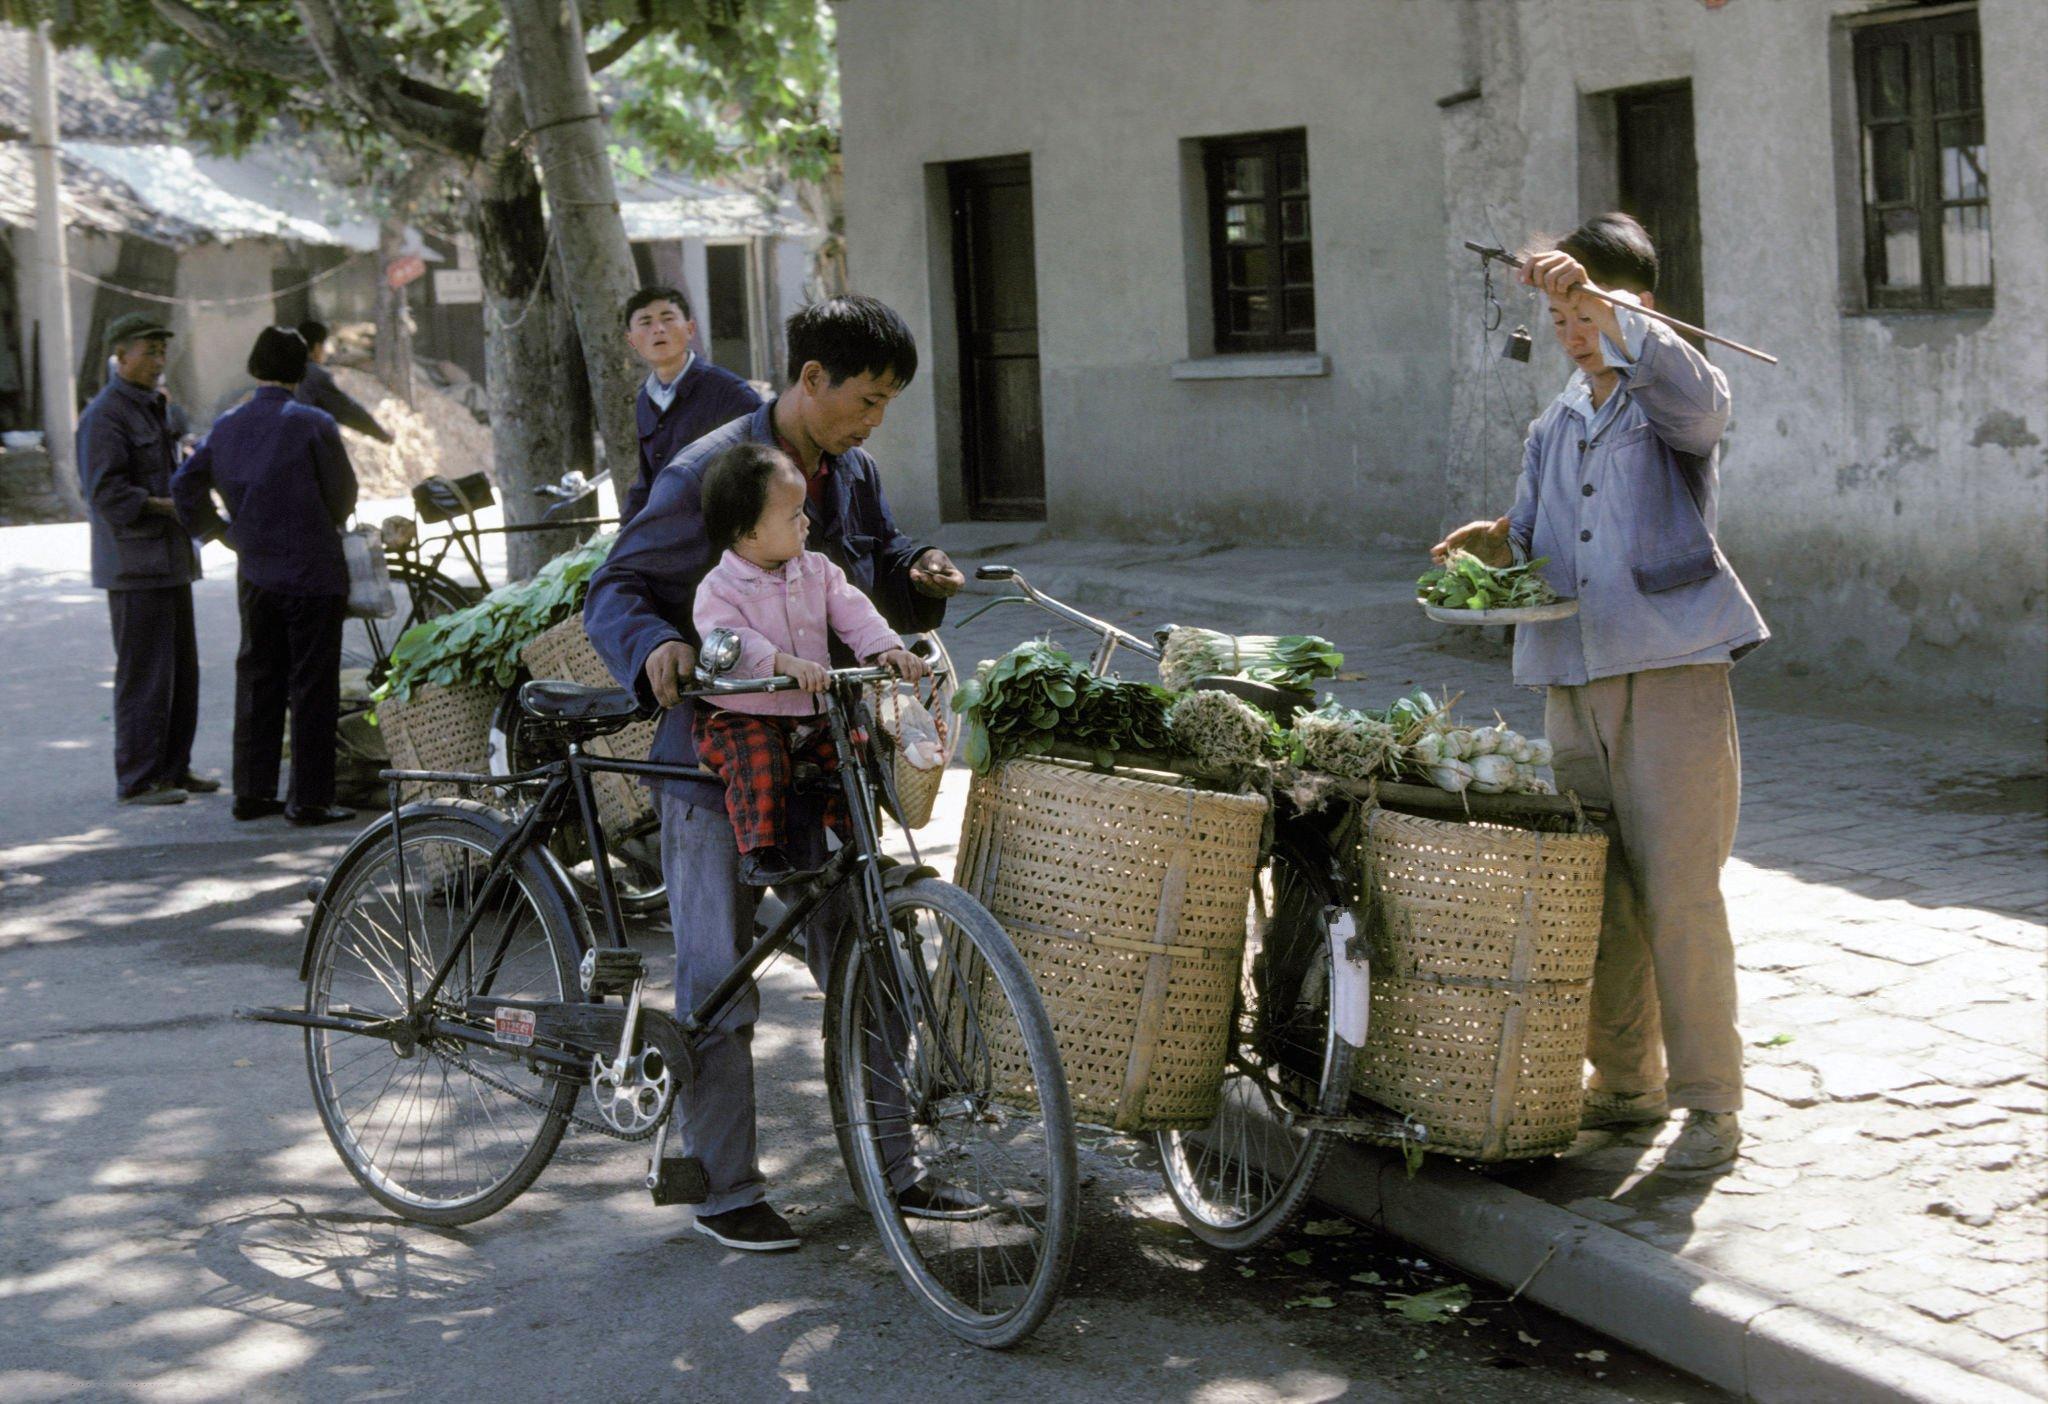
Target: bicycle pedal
{"type": "Point", "coordinates": [608, 972]}
{"type": "Point", "coordinates": [680, 1179]}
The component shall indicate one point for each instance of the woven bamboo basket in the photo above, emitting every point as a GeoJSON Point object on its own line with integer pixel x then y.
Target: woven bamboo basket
{"type": "Point", "coordinates": [1127, 899]}
{"type": "Point", "coordinates": [439, 728]}
{"type": "Point", "coordinates": [564, 653]}
{"type": "Point", "coordinates": [1482, 940]}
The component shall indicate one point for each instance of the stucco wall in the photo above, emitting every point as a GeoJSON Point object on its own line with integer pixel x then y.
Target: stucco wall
{"type": "Point", "coordinates": [210, 349]}
{"type": "Point", "coordinates": [1885, 490]}
{"type": "Point", "coordinates": [1101, 94]}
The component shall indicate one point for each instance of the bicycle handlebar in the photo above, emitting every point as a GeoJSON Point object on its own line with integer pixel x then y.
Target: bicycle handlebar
{"type": "Point", "coordinates": [782, 682]}
{"type": "Point", "coordinates": [1101, 627]}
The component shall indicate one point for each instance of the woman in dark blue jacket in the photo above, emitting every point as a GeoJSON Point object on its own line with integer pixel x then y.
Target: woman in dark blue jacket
{"type": "Point", "coordinates": [284, 476]}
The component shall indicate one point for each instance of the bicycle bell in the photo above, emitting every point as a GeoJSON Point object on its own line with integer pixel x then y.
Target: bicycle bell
{"type": "Point", "coordinates": [720, 653]}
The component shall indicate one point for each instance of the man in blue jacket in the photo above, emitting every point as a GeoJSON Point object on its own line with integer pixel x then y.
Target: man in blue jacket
{"type": "Point", "coordinates": [1618, 491]}
{"type": "Point", "coordinates": [684, 396]}
{"type": "Point", "coordinates": [848, 358]}
{"type": "Point", "coordinates": [281, 469]}
{"type": "Point", "coordinates": [146, 563]}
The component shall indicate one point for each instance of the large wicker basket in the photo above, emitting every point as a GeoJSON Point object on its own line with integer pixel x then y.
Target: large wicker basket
{"type": "Point", "coordinates": [564, 653]}
{"type": "Point", "coordinates": [1127, 899]}
{"type": "Point", "coordinates": [1482, 940]}
{"type": "Point", "coordinates": [439, 728]}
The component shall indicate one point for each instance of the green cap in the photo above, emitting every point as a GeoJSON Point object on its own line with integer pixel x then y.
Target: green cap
{"type": "Point", "coordinates": [132, 326]}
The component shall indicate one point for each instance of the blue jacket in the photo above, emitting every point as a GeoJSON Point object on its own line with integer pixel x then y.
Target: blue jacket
{"type": "Point", "coordinates": [319, 390]}
{"type": "Point", "coordinates": [126, 453]}
{"type": "Point", "coordinates": [1622, 501]}
{"type": "Point", "coordinates": [708, 397]}
{"type": "Point", "coordinates": [280, 468]}
{"type": "Point", "coordinates": [641, 597]}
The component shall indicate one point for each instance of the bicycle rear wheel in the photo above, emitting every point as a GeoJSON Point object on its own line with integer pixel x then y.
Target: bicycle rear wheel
{"type": "Point", "coordinates": [444, 1131]}
{"type": "Point", "coordinates": [422, 594]}
{"type": "Point", "coordinates": [1239, 1180]}
{"type": "Point", "coordinates": [955, 1079]}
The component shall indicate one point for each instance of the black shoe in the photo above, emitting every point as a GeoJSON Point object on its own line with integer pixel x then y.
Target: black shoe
{"type": "Point", "coordinates": [935, 1199]}
{"type": "Point", "coordinates": [754, 1229]}
{"type": "Point", "coordinates": [249, 807]}
{"type": "Point", "coordinates": [770, 867]}
{"type": "Point", "coordinates": [154, 795]}
{"type": "Point", "coordinates": [196, 784]}
{"type": "Point", "coordinates": [312, 818]}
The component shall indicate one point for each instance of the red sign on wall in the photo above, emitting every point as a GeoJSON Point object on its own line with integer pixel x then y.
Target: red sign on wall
{"type": "Point", "coordinates": [406, 269]}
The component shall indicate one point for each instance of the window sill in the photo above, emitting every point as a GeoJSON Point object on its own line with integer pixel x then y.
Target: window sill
{"type": "Point", "coordinates": [1272, 365]}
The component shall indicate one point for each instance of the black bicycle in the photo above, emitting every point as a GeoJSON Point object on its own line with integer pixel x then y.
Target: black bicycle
{"type": "Point", "coordinates": [458, 1008]}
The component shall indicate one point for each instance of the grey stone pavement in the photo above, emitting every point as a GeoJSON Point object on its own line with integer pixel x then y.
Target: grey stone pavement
{"type": "Point", "coordinates": [1889, 897]}
{"type": "Point", "coordinates": [175, 1226]}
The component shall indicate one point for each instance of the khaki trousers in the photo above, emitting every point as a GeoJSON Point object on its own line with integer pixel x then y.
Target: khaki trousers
{"type": "Point", "coordinates": [1660, 749]}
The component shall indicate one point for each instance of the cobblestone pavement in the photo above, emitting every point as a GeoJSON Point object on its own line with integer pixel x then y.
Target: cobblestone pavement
{"type": "Point", "coordinates": [1888, 895]}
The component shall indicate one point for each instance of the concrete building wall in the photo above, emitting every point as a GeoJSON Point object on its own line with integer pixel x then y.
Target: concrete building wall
{"type": "Point", "coordinates": [1104, 96]}
{"type": "Point", "coordinates": [1885, 488]}
{"type": "Point", "coordinates": [210, 349]}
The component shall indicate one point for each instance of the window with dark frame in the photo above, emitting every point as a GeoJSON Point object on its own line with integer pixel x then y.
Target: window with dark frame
{"type": "Point", "coordinates": [1926, 192]}
{"type": "Point", "coordinates": [1261, 269]}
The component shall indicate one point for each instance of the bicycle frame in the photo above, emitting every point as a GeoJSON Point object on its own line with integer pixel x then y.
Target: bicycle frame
{"type": "Point", "coordinates": [1110, 638]}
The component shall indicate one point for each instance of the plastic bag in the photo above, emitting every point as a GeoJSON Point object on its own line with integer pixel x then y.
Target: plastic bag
{"type": "Point", "coordinates": [369, 581]}
{"type": "Point", "coordinates": [916, 732]}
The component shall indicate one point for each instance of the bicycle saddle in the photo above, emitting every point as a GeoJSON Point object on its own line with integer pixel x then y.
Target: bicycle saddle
{"type": "Point", "coordinates": [1281, 702]}
{"type": "Point", "coordinates": [594, 710]}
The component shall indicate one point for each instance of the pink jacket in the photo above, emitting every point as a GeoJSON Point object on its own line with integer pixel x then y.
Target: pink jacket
{"type": "Point", "coordinates": [792, 610]}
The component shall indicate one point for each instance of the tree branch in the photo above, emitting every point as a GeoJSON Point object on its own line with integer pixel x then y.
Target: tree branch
{"type": "Point", "coordinates": [632, 34]}
{"type": "Point", "coordinates": [288, 62]}
{"type": "Point", "coordinates": [444, 122]}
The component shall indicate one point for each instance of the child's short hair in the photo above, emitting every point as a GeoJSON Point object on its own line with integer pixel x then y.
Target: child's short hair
{"type": "Point", "coordinates": [1616, 251]}
{"type": "Point", "coordinates": [736, 490]}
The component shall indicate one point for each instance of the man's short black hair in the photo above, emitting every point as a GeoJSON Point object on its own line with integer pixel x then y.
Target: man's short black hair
{"type": "Point", "coordinates": [851, 335]}
{"type": "Point", "coordinates": [736, 490]}
{"type": "Point", "coordinates": [647, 297]}
{"type": "Point", "coordinates": [312, 332]}
{"type": "Point", "coordinates": [1616, 251]}
{"type": "Point", "coordinates": [279, 355]}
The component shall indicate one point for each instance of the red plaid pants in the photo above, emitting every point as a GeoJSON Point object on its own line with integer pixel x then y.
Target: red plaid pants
{"type": "Point", "coordinates": [756, 760]}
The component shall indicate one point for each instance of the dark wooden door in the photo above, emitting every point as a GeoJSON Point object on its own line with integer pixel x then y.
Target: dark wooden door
{"type": "Point", "coordinates": [1660, 185]}
{"type": "Point", "coordinates": [996, 294]}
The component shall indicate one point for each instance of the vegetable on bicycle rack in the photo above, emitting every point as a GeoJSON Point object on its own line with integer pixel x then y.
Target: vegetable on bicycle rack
{"type": "Point", "coordinates": [1464, 581]}
{"type": "Point", "coordinates": [481, 644]}
{"type": "Point", "coordinates": [1223, 731]}
{"type": "Point", "coordinates": [1283, 660]}
{"type": "Point", "coordinates": [1036, 694]}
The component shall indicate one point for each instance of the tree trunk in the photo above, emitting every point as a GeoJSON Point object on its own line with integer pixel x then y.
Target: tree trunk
{"type": "Point", "coordinates": [545, 50]}
{"type": "Point", "coordinates": [536, 432]}
{"type": "Point", "coordinates": [393, 364]}
{"type": "Point", "coordinates": [824, 203]}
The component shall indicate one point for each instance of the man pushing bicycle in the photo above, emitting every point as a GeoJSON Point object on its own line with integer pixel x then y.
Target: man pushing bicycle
{"type": "Point", "coordinates": [848, 358]}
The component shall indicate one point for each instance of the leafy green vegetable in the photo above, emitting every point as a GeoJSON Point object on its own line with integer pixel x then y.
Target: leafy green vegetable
{"type": "Point", "coordinates": [1285, 660]}
{"type": "Point", "coordinates": [1035, 694]}
{"type": "Point", "coordinates": [1464, 581]}
{"type": "Point", "coordinates": [480, 645]}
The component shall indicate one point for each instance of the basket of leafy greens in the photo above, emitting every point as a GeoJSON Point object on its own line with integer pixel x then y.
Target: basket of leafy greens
{"type": "Point", "coordinates": [1466, 590]}
{"type": "Point", "coordinates": [1036, 694]}
{"type": "Point", "coordinates": [1293, 661]}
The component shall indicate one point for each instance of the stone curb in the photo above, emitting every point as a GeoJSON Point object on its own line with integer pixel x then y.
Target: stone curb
{"type": "Point", "coordinates": [1753, 1343]}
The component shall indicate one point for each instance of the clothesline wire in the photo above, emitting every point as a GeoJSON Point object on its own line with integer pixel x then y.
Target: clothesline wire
{"type": "Point", "coordinates": [197, 302]}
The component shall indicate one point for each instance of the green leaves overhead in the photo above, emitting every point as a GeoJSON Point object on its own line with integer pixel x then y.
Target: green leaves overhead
{"type": "Point", "coordinates": [1464, 581]}
{"type": "Point", "coordinates": [480, 645]}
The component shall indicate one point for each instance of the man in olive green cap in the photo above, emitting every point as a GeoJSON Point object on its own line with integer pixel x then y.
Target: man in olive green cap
{"type": "Point", "coordinates": [146, 563]}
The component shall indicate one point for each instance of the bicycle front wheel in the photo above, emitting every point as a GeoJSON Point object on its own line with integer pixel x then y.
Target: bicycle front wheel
{"type": "Point", "coordinates": [444, 1131]}
{"type": "Point", "coordinates": [1239, 1180]}
{"type": "Point", "coordinates": [942, 1068]}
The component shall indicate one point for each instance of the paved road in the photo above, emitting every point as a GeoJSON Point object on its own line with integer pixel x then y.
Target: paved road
{"type": "Point", "coordinates": [176, 1226]}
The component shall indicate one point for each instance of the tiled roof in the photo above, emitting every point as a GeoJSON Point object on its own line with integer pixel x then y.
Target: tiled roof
{"type": "Point", "coordinates": [89, 107]}
{"type": "Point", "coordinates": [93, 200]}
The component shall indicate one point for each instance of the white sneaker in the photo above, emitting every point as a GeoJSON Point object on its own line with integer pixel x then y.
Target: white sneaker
{"type": "Point", "coordinates": [1709, 1141]}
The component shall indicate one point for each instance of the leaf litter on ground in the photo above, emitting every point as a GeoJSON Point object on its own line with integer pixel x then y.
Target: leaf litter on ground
{"type": "Point", "coordinates": [1436, 1305]}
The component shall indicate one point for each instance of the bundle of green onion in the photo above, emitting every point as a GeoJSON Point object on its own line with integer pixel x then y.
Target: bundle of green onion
{"type": "Point", "coordinates": [1283, 660]}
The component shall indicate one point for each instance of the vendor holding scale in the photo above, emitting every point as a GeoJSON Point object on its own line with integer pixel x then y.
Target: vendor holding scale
{"type": "Point", "coordinates": [1618, 487]}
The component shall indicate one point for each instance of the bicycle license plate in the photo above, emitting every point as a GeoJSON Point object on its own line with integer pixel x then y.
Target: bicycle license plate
{"type": "Point", "coordinates": [514, 1026]}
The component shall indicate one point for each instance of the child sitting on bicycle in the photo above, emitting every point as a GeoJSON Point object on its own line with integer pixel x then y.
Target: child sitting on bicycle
{"type": "Point", "coordinates": [786, 604]}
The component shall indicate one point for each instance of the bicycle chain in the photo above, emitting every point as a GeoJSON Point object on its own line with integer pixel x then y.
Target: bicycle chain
{"type": "Point", "coordinates": [545, 1105]}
